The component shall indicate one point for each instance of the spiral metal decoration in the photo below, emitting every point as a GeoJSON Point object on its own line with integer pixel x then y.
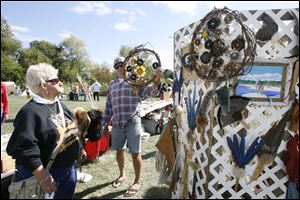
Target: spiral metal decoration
{"type": "Point", "coordinates": [222, 46]}
{"type": "Point", "coordinates": [140, 65]}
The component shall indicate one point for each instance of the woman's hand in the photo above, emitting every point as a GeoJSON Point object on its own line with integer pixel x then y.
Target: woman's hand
{"type": "Point", "coordinates": [82, 155]}
{"type": "Point", "coordinates": [45, 180]}
{"type": "Point", "coordinates": [48, 184]}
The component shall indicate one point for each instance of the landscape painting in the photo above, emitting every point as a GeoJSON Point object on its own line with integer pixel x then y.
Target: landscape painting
{"type": "Point", "coordinates": [264, 82]}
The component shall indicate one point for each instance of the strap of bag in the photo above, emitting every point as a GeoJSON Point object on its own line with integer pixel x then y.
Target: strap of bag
{"type": "Point", "coordinates": [61, 112]}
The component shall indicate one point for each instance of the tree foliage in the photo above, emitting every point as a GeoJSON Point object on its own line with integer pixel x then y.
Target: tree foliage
{"type": "Point", "coordinates": [32, 56]}
{"type": "Point", "coordinates": [76, 59]}
{"type": "Point", "coordinates": [102, 73]}
{"type": "Point", "coordinates": [50, 50]}
{"type": "Point", "coordinates": [10, 68]}
{"type": "Point", "coordinates": [124, 50]}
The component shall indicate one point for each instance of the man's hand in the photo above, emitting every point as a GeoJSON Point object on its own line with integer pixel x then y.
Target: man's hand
{"type": "Point", "coordinates": [158, 74]}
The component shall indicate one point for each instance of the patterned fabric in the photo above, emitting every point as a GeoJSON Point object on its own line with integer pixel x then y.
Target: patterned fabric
{"type": "Point", "coordinates": [122, 104]}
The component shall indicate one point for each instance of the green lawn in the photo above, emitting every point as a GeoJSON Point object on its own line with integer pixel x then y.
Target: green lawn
{"type": "Point", "coordinates": [105, 170]}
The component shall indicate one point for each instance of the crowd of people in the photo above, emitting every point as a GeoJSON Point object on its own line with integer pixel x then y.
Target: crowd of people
{"type": "Point", "coordinates": [44, 123]}
{"type": "Point", "coordinates": [77, 90]}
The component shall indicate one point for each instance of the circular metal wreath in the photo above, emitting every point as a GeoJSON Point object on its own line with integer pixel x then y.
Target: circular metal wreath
{"type": "Point", "coordinates": [139, 70]}
{"type": "Point", "coordinates": [218, 52]}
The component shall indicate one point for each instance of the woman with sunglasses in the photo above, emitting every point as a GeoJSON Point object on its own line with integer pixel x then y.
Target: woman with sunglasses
{"type": "Point", "coordinates": [36, 134]}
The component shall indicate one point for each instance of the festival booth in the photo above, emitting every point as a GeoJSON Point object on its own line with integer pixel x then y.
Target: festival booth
{"type": "Point", "coordinates": [237, 107]}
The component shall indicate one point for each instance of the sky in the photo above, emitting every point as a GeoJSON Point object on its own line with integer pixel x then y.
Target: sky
{"type": "Point", "coordinates": [104, 26]}
{"type": "Point", "coordinates": [264, 73]}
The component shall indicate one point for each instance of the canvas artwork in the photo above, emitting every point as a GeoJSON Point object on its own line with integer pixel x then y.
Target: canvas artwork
{"type": "Point", "coordinates": [264, 82]}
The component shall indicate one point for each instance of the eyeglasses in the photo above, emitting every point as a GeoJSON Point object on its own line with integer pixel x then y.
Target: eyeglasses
{"type": "Point", "coordinates": [53, 81]}
{"type": "Point", "coordinates": [117, 66]}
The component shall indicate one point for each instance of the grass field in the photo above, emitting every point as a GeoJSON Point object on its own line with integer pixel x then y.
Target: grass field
{"type": "Point", "coordinates": [105, 169]}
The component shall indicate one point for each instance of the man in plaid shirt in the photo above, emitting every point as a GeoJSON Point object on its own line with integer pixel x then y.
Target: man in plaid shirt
{"type": "Point", "coordinates": [124, 107]}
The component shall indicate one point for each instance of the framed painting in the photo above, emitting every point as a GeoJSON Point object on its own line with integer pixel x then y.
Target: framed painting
{"type": "Point", "coordinates": [265, 82]}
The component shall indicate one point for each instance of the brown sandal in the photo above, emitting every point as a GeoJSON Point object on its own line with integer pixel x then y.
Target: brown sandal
{"type": "Point", "coordinates": [131, 191]}
{"type": "Point", "coordinates": [118, 182]}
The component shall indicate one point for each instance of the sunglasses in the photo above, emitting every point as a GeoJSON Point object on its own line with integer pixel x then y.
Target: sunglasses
{"type": "Point", "coordinates": [117, 66]}
{"type": "Point", "coordinates": [53, 81]}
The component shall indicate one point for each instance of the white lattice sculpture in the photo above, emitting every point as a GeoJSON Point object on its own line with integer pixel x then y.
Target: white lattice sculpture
{"type": "Point", "coordinates": [272, 183]}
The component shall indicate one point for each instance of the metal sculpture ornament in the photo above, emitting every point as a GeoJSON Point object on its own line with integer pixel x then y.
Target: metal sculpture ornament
{"type": "Point", "coordinates": [222, 47]}
{"type": "Point", "coordinates": [140, 66]}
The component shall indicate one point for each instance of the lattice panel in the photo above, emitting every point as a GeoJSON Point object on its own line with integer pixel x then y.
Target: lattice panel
{"type": "Point", "coordinates": [273, 181]}
{"type": "Point", "coordinates": [284, 43]}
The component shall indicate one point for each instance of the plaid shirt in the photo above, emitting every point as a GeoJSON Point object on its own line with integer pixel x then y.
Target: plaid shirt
{"type": "Point", "coordinates": [122, 104]}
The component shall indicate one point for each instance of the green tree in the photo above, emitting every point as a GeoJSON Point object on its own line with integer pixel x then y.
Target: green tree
{"type": "Point", "coordinates": [5, 28]}
{"type": "Point", "coordinates": [10, 69]}
{"type": "Point", "coordinates": [51, 50]}
{"type": "Point", "coordinates": [124, 50]}
{"type": "Point", "coordinates": [76, 59]}
{"type": "Point", "coordinates": [102, 73]}
{"type": "Point", "coordinates": [32, 56]}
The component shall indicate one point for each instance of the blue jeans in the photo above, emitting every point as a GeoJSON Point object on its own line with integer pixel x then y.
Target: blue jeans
{"type": "Point", "coordinates": [65, 179]}
{"type": "Point", "coordinates": [292, 191]}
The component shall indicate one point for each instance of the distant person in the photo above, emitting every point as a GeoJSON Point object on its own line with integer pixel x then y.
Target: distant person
{"type": "Point", "coordinates": [96, 86]}
{"type": "Point", "coordinates": [4, 105]}
{"type": "Point", "coordinates": [72, 93]}
{"type": "Point", "coordinates": [123, 107]}
{"type": "Point", "coordinates": [82, 93]}
{"type": "Point", "coordinates": [38, 127]}
{"type": "Point", "coordinates": [76, 92]}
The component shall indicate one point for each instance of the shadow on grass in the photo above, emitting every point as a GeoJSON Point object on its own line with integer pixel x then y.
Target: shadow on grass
{"type": "Point", "coordinates": [111, 195]}
{"type": "Point", "coordinates": [9, 121]}
{"type": "Point", "coordinates": [80, 195]}
{"type": "Point", "coordinates": [158, 193]}
{"type": "Point", "coordinates": [148, 155]}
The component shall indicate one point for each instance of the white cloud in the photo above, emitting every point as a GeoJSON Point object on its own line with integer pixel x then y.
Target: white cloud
{"type": "Point", "coordinates": [187, 7]}
{"type": "Point", "coordinates": [124, 26]}
{"type": "Point", "coordinates": [140, 12]}
{"type": "Point", "coordinates": [65, 34]}
{"type": "Point", "coordinates": [19, 29]}
{"type": "Point", "coordinates": [27, 39]}
{"type": "Point", "coordinates": [121, 11]}
{"type": "Point", "coordinates": [19, 32]}
{"type": "Point", "coordinates": [82, 7]}
{"type": "Point", "coordinates": [100, 8]}
{"type": "Point", "coordinates": [128, 22]}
